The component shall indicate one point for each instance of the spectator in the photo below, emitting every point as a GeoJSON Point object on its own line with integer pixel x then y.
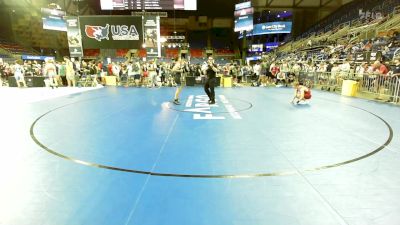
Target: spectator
{"type": "Point", "coordinates": [60, 73]}
{"type": "Point", "coordinates": [19, 72]}
{"type": "Point", "coordinates": [50, 72]}
{"type": "Point", "coordinates": [361, 70]}
{"type": "Point", "coordinates": [70, 72]}
{"type": "Point", "coordinates": [368, 46]}
{"type": "Point", "coordinates": [257, 71]}
{"type": "Point", "coordinates": [396, 68]}
{"type": "Point", "coordinates": [380, 68]}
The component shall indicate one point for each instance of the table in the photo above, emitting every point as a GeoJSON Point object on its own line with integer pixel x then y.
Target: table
{"type": "Point", "coordinates": [31, 81]}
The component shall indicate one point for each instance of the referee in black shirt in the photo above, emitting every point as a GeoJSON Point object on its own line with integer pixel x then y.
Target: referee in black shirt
{"type": "Point", "coordinates": [211, 71]}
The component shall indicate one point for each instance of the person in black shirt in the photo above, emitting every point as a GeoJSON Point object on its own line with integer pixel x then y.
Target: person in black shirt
{"type": "Point", "coordinates": [396, 67]}
{"type": "Point", "coordinates": [211, 71]}
{"type": "Point", "coordinates": [395, 81]}
{"type": "Point", "coordinates": [177, 70]}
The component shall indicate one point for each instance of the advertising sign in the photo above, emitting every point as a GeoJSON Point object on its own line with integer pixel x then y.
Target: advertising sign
{"type": "Point", "coordinates": [360, 57]}
{"type": "Point", "coordinates": [53, 19]}
{"type": "Point", "coordinates": [244, 23]}
{"type": "Point", "coordinates": [243, 5]}
{"type": "Point", "coordinates": [256, 48]}
{"type": "Point", "coordinates": [243, 17]}
{"type": "Point", "coordinates": [36, 57]}
{"type": "Point", "coordinates": [373, 56]}
{"type": "Point", "coordinates": [148, 4]}
{"type": "Point", "coordinates": [271, 45]}
{"type": "Point", "coordinates": [151, 26]}
{"type": "Point", "coordinates": [74, 37]}
{"type": "Point", "coordinates": [111, 32]}
{"type": "Point", "coordinates": [272, 28]}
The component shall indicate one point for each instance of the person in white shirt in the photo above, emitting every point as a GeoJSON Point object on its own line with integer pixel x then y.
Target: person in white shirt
{"type": "Point", "coordinates": [345, 69]}
{"type": "Point", "coordinates": [296, 69]}
{"type": "Point", "coordinates": [334, 74]}
{"type": "Point", "coordinates": [256, 72]}
{"type": "Point", "coordinates": [19, 72]}
{"type": "Point", "coordinates": [361, 70]}
{"type": "Point", "coordinates": [116, 70]}
{"type": "Point", "coordinates": [152, 68]}
{"type": "Point", "coordinates": [129, 69]}
{"type": "Point", "coordinates": [257, 69]}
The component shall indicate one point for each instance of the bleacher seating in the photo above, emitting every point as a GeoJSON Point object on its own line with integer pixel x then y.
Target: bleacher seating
{"type": "Point", "coordinates": [16, 49]}
{"type": "Point", "coordinates": [350, 33]}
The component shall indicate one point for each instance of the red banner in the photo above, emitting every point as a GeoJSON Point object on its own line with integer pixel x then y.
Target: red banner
{"type": "Point", "coordinates": [91, 52]}
{"type": "Point", "coordinates": [171, 53]}
{"type": "Point", "coordinates": [142, 53]}
{"type": "Point", "coordinates": [224, 52]}
{"type": "Point", "coordinates": [196, 53]}
{"type": "Point", "coordinates": [122, 52]}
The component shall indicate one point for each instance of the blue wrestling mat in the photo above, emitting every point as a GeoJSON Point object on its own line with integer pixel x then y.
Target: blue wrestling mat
{"type": "Point", "coordinates": [130, 156]}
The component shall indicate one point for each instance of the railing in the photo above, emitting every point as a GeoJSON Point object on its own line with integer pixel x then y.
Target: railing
{"type": "Point", "coordinates": [381, 87]}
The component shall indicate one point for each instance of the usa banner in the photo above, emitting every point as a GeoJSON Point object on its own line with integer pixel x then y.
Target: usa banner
{"type": "Point", "coordinates": [74, 37]}
{"type": "Point", "coordinates": [111, 32]}
{"type": "Point", "coordinates": [151, 27]}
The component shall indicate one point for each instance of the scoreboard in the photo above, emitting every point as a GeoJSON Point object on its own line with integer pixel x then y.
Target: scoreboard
{"type": "Point", "coordinates": [148, 4]}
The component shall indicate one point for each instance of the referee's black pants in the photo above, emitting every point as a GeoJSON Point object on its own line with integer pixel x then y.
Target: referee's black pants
{"type": "Point", "coordinates": [209, 88]}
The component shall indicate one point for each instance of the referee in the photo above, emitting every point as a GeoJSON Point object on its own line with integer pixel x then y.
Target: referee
{"type": "Point", "coordinates": [210, 70]}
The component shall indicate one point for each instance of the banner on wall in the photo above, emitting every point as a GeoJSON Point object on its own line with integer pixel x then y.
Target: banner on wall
{"type": "Point", "coordinates": [74, 37]}
{"type": "Point", "coordinates": [360, 57]}
{"type": "Point", "coordinates": [36, 57]}
{"type": "Point", "coordinates": [111, 32]}
{"type": "Point", "coordinates": [373, 56]}
{"type": "Point", "coordinates": [273, 28]}
{"type": "Point", "coordinates": [151, 33]}
{"type": "Point", "coordinates": [367, 56]}
{"type": "Point", "coordinates": [270, 28]}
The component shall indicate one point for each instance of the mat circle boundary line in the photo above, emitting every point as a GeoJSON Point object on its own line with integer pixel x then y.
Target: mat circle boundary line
{"type": "Point", "coordinates": [222, 176]}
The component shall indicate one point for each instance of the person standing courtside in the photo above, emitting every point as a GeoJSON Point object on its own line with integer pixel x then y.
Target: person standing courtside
{"type": "Point", "coordinates": [211, 71]}
{"type": "Point", "coordinates": [177, 73]}
{"type": "Point", "coordinates": [70, 72]}
{"type": "Point", "coordinates": [19, 73]}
